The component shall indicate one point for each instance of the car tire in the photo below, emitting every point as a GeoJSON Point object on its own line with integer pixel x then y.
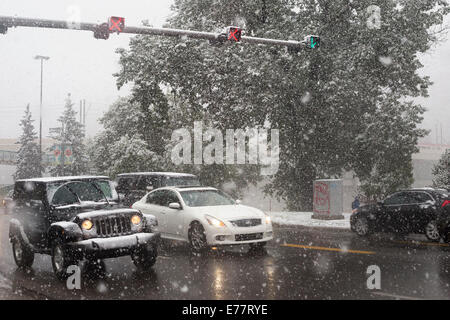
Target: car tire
{"type": "Point", "coordinates": [432, 232]}
{"type": "Point", "coordinates": [61, 259]}
{"type": "Point", "coordinates": [197, 238]}
{"type": "Point", "coordinates": [361, 227]}
{"type": "Point", "coordinates": [446, 236]}
{"type": "Point", "coordinates": [144, 258]}
{"type": "Point", "coordinates": [23, 256]}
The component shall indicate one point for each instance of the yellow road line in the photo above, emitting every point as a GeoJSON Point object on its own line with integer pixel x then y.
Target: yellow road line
{"type": "Point", "coordinates": [424, 243]}
{"type": "Point", "coordinates": [327, 249]}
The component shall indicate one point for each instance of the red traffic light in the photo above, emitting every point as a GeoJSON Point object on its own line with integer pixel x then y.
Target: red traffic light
{"type": "Point", "coordinates": [234, 34]}
{"type": "Point", "coordinates": [116, 24]}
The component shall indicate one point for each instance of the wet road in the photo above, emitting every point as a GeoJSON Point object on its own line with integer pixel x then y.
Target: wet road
{"type": "Point", "coordinates": [301, 263]}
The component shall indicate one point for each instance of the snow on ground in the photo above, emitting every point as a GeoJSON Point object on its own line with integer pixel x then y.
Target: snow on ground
{"type": "Point", "coordinates": [304, 219]}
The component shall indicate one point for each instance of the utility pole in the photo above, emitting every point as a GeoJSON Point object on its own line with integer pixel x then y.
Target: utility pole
{"type": "Point", "coordinates": [84, 115]}
{"type": "Point", "coordinates": [42, 59]}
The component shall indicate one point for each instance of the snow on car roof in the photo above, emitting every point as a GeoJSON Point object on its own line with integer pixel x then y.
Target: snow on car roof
{"type": "Point", "coordinates": [69, 178]}
{"type": "Point", "coordinates": [170, 174]}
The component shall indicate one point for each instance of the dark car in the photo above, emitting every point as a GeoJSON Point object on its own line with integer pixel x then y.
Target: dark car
{"type": "Point", "coordinates": [76, 218]}
{"type": "Point", "coordinates": [444, 219]}
{"type": "Point", "coordinates": [5, 197]}
{"type": "Point", "coordinates": [404, 212]}
{"type": "Point", "coordinates": [133, 186]}
{"type": "Point", "coordinates": [7, 202]}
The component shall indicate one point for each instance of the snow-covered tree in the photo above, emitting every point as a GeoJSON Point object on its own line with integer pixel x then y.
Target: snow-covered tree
{"type": "Point", "coordinates": [69, 137]}
{"type": "Point", "coordinates": [345, 106]}
{"type": "Point", "coordinates": [441, 171]}
{"type": "Point", "coordinates": [28, 157]}
{"type": "Point", "coordinates": [127, 142]}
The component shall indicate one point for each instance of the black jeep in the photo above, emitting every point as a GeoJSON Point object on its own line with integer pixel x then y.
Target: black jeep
{"type": "Point", "coordinates": [76, 218]}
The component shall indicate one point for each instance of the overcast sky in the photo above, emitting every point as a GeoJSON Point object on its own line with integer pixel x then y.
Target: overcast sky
{"type": "Point", "coordinates": [79, 64]}
{"type": "Point", "coordinates": [83, 66]}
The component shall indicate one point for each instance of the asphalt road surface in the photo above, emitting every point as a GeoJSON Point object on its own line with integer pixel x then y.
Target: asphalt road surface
{"type": "Point", "coordinates": [301, 263]}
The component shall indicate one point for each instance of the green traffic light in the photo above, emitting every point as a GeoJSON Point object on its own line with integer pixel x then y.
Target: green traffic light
{"type": "Point", "coordinates": [315, 42]}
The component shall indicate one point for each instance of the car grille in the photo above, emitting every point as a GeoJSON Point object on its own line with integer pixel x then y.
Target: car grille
{"type": "Point", "coordinates": [246, 222]}
{"type": "Point", "coordinates": [112, 226]}
{"type": "Point", "coordinates": [248, 236]}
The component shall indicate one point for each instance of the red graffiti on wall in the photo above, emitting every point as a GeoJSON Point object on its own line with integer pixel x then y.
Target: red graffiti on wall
{"type": "Point", "coordinates": [321, 198]}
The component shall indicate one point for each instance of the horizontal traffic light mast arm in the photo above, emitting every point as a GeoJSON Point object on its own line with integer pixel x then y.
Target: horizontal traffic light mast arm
{"type": "Point", "coordinates": [207, 36]}
{"type": "Point", "coordinates": [43, 23]}
{"type": "Point", "coordinates": [275, 42]}
{"type": "Point", "coordinates": [58, 24]}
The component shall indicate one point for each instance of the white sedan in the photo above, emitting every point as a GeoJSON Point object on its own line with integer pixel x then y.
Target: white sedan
{"type": "Point", "coordinates": [204, 217]}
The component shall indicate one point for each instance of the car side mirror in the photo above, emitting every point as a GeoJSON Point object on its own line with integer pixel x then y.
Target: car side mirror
{"type": "Point", "coordinates": [238, 201]}
{"type": "Point", "coordinates": [175, 205]}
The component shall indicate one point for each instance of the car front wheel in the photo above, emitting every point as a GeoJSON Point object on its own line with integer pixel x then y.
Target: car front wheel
{"type": "Point", "coordinates": [23, 256]}
{"type": "Point", "coordinates": [431, 231]}
{"type": "Point", "coordinates": [61, 260]}
{"type": "Point", "coordinates": [361, 227]}
{"type": "Point", "coordinates": [197, 238]}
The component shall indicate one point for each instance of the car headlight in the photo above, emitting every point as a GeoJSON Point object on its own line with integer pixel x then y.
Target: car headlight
{"type": "Point", "coordinates": [215, 222]}
{"type": "Point", "coordinates": [136, 220]}
{"type": "Point", "coordinates": [87, 225]}
{"type": "Point", "coordinates": [268, 219]}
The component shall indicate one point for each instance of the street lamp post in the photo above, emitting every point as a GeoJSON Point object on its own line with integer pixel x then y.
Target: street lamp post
{"type": "Point", "coordinates": [42, 58]}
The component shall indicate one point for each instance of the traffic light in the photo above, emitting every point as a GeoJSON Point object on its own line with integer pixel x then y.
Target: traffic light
{"type": "Point", "coordinates": [312, 42]}
{"type": "Point", "coordinates": [234, 34]}
{"type": "Point", "coordinates": [3, 29]}
{"type": "Point", "coordinates": [116, 24]}
{"type": "Point", "coordinates": [102, 31]}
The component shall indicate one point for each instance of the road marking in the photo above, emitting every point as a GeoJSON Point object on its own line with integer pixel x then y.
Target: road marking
{"type": "Point", "coordinates": [327, 249]}
{"type": "Point", "coordinates": [396, 296]}
{"type": "Point", "coordinates": [424, 243]}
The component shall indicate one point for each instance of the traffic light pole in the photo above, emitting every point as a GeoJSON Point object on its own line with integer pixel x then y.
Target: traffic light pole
{"type": "Point", "coordinates": [102, 29]}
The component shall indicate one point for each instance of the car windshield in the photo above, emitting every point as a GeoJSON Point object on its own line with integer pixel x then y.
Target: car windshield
{"type": "Point", "coordinates": [204, 198]}
{"type": "Point", "coordinates": [182, 181]}
{"type": "Point", "coordinates": [104, 185]}
{"type": "Point", "coordinates": [77, 192]}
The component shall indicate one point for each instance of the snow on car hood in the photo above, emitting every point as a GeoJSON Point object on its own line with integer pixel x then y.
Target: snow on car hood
{"type": "Point", "coordinates": [230, 212]}
{"type": "Point", "coordinates": [104, 213]}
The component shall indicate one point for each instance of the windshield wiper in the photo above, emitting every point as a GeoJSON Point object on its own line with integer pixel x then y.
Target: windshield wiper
{"type": "Point", "coordinates": [101, 191]}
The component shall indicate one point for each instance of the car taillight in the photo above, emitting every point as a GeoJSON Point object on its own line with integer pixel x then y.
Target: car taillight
{"type": "Point", "coordinates": [446, 203]}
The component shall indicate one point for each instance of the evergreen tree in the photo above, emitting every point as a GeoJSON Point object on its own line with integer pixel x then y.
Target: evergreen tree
{"type": "Point", "coordinates": [28, 157]}
{"type": "Point", "coordinates": [441, 171]}
{"type": "Point", "coordinates": [70, 139]}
